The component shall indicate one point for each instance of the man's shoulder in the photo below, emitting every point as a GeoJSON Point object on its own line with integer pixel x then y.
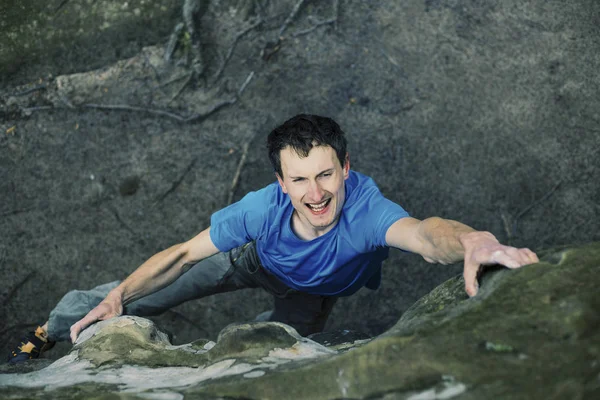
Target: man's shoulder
{"type": "Point", "coordinates": [368, 214]}
{"type": "Point", "coordinates": [263, 200]}
{"type": "Point", "coordinates": [365, 199]}
{"type": "Point", "coordinates": [270, 191]}
{"type": "Point", "coordinates": [246, 219]}
{"type": "Point", "coordinates": [359, 185]}
{"type": "Point", "coordinates": [355, 175]}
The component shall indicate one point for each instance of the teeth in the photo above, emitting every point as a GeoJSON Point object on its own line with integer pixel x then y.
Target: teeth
{"type": "Point", "coordinates": [318, 207]}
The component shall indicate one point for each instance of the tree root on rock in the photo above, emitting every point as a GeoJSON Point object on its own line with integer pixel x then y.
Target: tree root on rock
{"type": "Point", "coordinates": [273, 47]}
{"type": "Point", "coordinates": [529, 207]}
{"type": "Point", "coordinates": [186, 32]}
{"type": "Point", "coordinates": [192, 11]}
{"type": "Point", "coordinates": [125, 107]}
{"type": "Point", "coordinates": [290, 17]}
{"type": "Point", "coordinates": [511, 232]}
{"type": "Point", "coordinates": [238, 172]}
{"type": "Point", "coordinates": [232, 48]}
{"type": "Point", "coordinates": [176, 184]}
{"type": "Point", "coordinates": [331, 21]}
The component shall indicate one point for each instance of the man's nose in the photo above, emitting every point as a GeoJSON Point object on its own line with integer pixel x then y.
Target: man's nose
{"type": "Point", "coordinates": [315, 192]}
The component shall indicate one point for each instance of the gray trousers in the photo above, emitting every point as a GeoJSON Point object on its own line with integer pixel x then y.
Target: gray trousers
{"type": "Point", "coordinates": [239, 268]}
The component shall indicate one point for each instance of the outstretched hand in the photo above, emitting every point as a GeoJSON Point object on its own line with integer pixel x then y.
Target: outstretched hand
{"type": "Point", "coordinates": [482, 248]}
{"type": "Point", "coordinates": [110, 307]}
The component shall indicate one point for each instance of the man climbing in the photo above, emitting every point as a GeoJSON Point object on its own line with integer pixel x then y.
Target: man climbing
{"type": "Point", "coordinates": [320, 232]}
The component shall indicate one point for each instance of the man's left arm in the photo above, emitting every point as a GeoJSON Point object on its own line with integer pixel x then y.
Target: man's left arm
{"type": "Point", "coordinates": [445, 241]}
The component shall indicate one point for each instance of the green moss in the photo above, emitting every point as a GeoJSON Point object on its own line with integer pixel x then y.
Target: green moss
{"type": "Point", "coordinates": [499, 347]}
{"type": "Point", "coordinates": [88, 391]}
{"type": "Point", "coordinates": [536, 320]}
{"type": "Point", "coordinates": [530, 333]}
{"type": "Point", "coordinates": [250, 341]}
{"type": "Point", "coordinates": [121, 348]}
{"type": "Point", "coordinates": [199, 344]}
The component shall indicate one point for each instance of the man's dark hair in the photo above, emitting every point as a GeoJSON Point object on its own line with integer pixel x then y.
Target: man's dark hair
{"type": "Point", "coordinates": [302, 133]}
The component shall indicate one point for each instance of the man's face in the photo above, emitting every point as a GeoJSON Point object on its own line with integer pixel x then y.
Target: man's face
{"type": "Point", "coordinates": [315, 185]}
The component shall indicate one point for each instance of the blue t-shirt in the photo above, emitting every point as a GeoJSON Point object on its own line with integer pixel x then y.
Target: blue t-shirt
{"type": "Point", "coordinates": [337, 263]}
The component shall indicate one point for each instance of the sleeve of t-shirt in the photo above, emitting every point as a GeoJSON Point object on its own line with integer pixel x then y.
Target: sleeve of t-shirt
{"type": "Point", "coordinates": [389, 212]}
{"type": "Point", "coordinates": [241, 222]}
{"type": "Point", "coordinates": [378, 214]}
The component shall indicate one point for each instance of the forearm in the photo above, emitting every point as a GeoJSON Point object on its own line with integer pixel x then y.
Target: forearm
{"type": "Point", "coordinates": [157, 272]}
{"type": "Point", "coordinates": [163, 268]}
{"type": "Point", "coordinates": [445, 239]}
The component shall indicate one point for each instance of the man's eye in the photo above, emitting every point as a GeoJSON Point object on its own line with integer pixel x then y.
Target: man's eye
{"type": "Point", "coordinates": [326, 175]}
{"type": "Point", "coordinates": [298, 180]}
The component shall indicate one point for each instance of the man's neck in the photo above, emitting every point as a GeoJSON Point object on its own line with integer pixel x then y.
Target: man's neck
{"type": "Point", "coordinates": [305, 231]}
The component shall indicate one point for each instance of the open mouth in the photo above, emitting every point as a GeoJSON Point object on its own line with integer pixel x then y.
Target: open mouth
{"type": "Point", "coordinates": [319, 208]}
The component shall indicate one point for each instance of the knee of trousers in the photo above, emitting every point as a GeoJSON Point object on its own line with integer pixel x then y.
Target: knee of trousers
{"type": "Point", "coordinates": [70, 309]}
{"type": "Point", "coordinates": [73, 306]}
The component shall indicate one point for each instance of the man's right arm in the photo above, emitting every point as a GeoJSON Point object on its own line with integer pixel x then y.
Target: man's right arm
{"type": "Point", "coordinates": [159, 271]}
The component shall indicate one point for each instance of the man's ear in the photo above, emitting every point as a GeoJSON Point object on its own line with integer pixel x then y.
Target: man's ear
{"type": "Point", "coordinates": [280, 180]}
{"type": "Point", "coordinates": [347, 166]}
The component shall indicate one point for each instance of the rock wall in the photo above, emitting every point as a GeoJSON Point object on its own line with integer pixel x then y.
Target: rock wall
{"type": "Point", "coordinates": [530, 333]}
{"type": "Point", "coordinates": [65, 36]}
{"type": "Point", "coordinates": [476, 111]}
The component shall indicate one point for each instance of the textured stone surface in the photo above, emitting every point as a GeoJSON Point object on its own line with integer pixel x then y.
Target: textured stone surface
{"type": "Point", "coordinates": [468, 110]}
{"type": "Point", "coordinates": [32, 31]}
{"type": "Point", "coordinates": [529, 333]}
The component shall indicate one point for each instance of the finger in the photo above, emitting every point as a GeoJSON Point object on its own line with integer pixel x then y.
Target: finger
{"type": "Point", "coordinates": [532, 257]}
{"type": "Point", "coordinates": [74, 332]}
{"type": "Point", "coordinates": [470, 275]}
{"type": "Point", "coordinates": [520, 256]}
{"type": "Point", "coordinates": [81, 325]}
{"type": "Point", "coordinates": [523, 256]}
{"type": "Point", "coordinates": [503, 258]}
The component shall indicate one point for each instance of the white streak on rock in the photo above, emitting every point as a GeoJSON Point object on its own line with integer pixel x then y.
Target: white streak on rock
{"type": "Point", "coordinates": [343, 383]}
{"type": "Point", "coordinates": [301, 350]}
{"type": "Point", "coordinates": [447, 390]}
{"type": "Point", "coordinates": [161, 396]}
{"type": "Point", "coordinates": [254, 374]}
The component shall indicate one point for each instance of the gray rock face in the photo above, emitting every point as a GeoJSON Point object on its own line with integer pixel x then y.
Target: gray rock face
{"type": "Point", "coordinates": [34, 31]}
{"type": "Point", "coordinates": [130, 355]}
{"type": "Point", "coordinates": [530, 333]}
{"type": "Point", "coordinates": [468, 110]}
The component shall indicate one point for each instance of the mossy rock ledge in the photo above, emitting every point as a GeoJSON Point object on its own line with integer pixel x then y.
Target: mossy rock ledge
{"type": "Point", "coordinates": [531, 333]}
